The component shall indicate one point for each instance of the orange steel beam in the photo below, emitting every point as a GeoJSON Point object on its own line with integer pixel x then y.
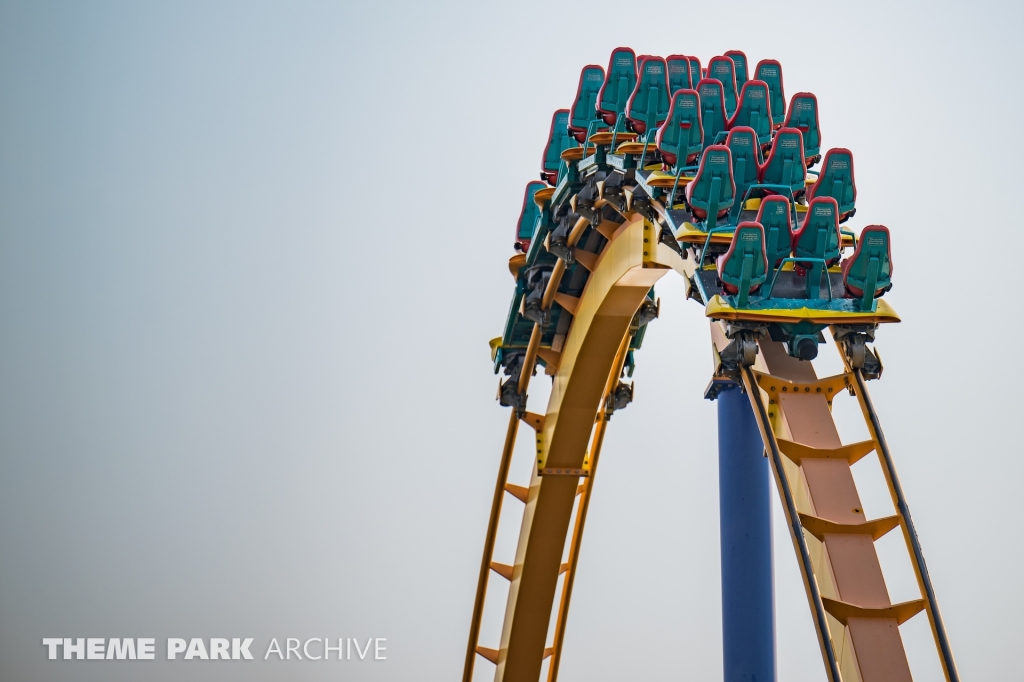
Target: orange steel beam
{"type": "Point", "coordinates": [616, 288]}
{"type": "Point", "coordinates": [492, 531]}
{"type": "Point", "coordinates": [581, 511]}
{"type": "Point", "coordinates": [907, 525]}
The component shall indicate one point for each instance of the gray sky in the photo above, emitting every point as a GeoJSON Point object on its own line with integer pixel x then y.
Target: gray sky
{"type": "Point", "coordinates": [251, 255]}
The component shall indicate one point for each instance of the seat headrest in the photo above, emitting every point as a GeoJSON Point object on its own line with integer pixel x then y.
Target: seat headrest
{"type": "Point", "coordinates": [753, 109]}
{"type": "Point", "coordinates": [528, 215]}
{"type": "Point", "coordinates": [774, 210]}
{"type": "Point", "coordinates": [822, 210]}
{"type": "Point", "coordinates": [836, 179]}
{"type": "Point", "coordinates": [558, 141]}
{"type": "Point", "coordinates": [712, 105]}
{"type": "Point", "coordinates": [678, 73]}
{"type": "Point", "coordinates": [739, 60]}
{"type": "Point", "coordinates": [723, 70]}
{"type": "Point", "coordinates": [803, 115]}
{"type": "Point", "coordinates": [648, 103]}
{"type": "Point", "coordinates": [619, 81]}
{"type": "Point", "coordinates": [584, 106]}
{"type": "Point", "coordinates": [770, 71]}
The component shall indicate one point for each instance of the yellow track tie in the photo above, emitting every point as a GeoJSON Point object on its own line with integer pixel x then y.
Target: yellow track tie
{"type": "Point", "coordinates": [504, 570]}
{"type": "Point", "coordinates": [586, 259]}
{"type": "Point", "coordinates": [570, 303]}
{"type": "Point", "coordinates": [550, 357]}
{"type": "Point", "coordinates": [828, 387]}
{"type": "Point", "coordinates": [851, 453]}
{"type": "Point", "coordinates": [902, 612]}
{"type": "Point", "coordinates": [876, 528]}
{"type": "Point", "coordinates": [533, 420]}
{"type": "Point", "coordinates": [518, 492]}
{"type": "Point", "coordinates": [490, 654]}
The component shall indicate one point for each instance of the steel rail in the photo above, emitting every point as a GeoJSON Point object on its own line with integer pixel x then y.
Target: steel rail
{"type": "Point", "coordinates": [492, 531]}
{"type": "Point", "coordinates": [924, 580]}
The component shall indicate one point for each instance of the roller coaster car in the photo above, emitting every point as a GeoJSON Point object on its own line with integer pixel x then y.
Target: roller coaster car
{"type": "Point", "coordinates": [789, 301]}
{"type": "Point", "coordinates": [803, 115]}
{"type": "Point", "coordinates": [770, 72]}
{"type": "Point", "coordinates": [584, 107]}
{"type": "Point", "coordinates": [836, 180]}
{"type": "Point", "coordinates": [558, 141]}
{"type": "Point", "coordinates": [528, 217]}
{"type": "Point", "coordinates": [712, 109]}
{"type": "Point", "coordinates": [619, 81]}
{"type": "Point", "coordinates": [678, 73]}
{"type": "Point", "coordinates": [739, 61]}
{"type": "Point", "coordinates": [723, 70]}
{"type": "Point", "coordinates": [647, 107]}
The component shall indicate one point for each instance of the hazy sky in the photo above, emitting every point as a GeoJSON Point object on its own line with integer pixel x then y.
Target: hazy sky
{"type": "Point", "coordinates": [251, 255]}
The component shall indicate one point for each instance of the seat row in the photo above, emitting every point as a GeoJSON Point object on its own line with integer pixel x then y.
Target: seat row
{"type": "Point", "coordinates": [733, 172]}
{"type": "Point", "coordinates": [748, 264]}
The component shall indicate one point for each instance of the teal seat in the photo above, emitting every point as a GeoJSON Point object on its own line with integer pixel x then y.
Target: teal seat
{"type": "Point", "coordinates": [739, 61]}
{"type": "Point", "coordinates": [752, 111]}
{"type": "Point", "coordinates": [770, 71]}
{"type": "Point", "coordinates": [681, 137]}
{"type": "Point", "coordinates": [722, 69]}
{"type": "Point", "coordinates": [803, 115]}
{"type": "Point", "coordinates": [744, 267]}
{"type": "Point", "coordinates": [868, 273]}
{"type": "Point", "coordinates": [776, 216]}
{"type": "Point", "coordinates": [712, 192]}
{"type": "Point", "coordinates": [558, 141]}
{"type": "Point", "coordinates": [647, 107]}
{"type": "Point", "coordinates": [712, 109]}
{"type": "Point", "coordinates": [584, 107]}
{"type": "Point", "coordinates": [619, 82]}
{"type": "Point", "coordinates": [528, 217]}
{"type": "Point", "coordinates": [746, 160]}
{"type": "Point", "coordinates": [818, 238]}
{"type": "Point", "coordinates": [785, 164]}
{"type": "Point", "coordinates": [836, 180]}
{"type": "Point", "coordinates": [696, 74]}
{"type": "Point", "coordinates": [678, 73]}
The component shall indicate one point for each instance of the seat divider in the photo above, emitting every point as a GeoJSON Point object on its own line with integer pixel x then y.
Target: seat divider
{"type": "Point", "coordinates": [713, 200]}
{"type": "Point", "coordinates": [871, 281]}
{"type": "Point", "coordinates": [745, 275]}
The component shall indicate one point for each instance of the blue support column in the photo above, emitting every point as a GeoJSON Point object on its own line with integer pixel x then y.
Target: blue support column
{"type": "Point", "coordinates": [748, 592]}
